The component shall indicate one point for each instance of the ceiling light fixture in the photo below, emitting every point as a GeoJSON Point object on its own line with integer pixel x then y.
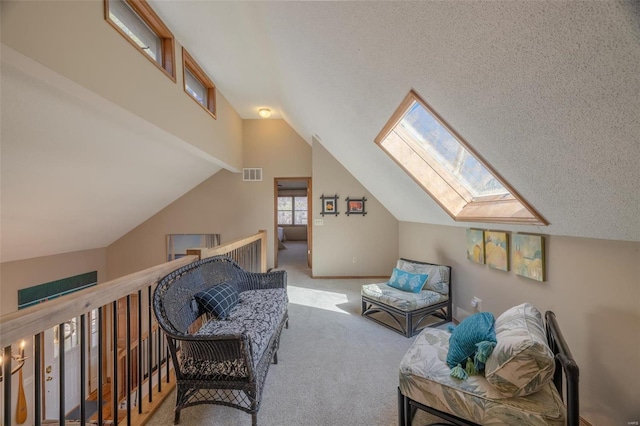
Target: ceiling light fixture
{"type": "Point", "coordinates": [264, 112]}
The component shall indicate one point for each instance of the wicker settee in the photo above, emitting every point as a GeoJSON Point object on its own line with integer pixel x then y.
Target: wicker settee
{"type": "Point", "coordinates": [221, 361]}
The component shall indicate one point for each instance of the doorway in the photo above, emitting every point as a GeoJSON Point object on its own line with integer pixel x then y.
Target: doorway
{"type": "Point", "coordinates": [292, 203]}
{"type": "Point", "coordinates": [70, 338]}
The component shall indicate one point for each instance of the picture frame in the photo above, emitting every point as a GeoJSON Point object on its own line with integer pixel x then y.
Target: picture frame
{"type": "Point", "coordinates": [329, 205]}
{"type": "Point", "coordinates": [475, 245]}
{"type": "Point", "coordinates": [528, 257]}
{"type": "Point", "coordinates": [356, 206]}
{"type": "Point", "coordinates": [496, 250]}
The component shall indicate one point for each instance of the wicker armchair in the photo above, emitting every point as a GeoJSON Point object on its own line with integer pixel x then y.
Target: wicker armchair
{"type": "Point", "coordinates": [225, 368]}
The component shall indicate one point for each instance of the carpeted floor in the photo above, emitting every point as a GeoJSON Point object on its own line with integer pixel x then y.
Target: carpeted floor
{"type": "Point", "coordinates": [334, 367]}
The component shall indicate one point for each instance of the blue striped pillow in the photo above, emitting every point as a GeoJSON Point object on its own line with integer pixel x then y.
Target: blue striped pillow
{"type": "Point", "coordinates": [406, 281]}
{"type": "Point", "coordinates": [218, 300]}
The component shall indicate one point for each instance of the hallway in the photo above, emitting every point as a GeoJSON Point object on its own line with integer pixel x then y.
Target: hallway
{"type": "Point", "coordinates": [294, 257]}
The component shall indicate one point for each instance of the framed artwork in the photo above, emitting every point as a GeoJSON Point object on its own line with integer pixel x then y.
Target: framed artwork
{"type": "Point", "coordinates": [329, 205]}
{"type": "Point", "coordinates": [496, 250]}
{"type": "Point", "coordinates": [528, 256]}
{"type": "Point", "coordinates": [475, 245]}
{"type": "Point", "coordinates": [356, 206]}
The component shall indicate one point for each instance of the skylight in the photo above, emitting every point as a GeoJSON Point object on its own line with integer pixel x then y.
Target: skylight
{"type": "Point", "coordinates": [448, 168]}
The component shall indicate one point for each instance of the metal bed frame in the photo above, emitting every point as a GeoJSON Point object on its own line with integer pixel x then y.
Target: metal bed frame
{"type": "Point", "coordinates": [566, 369]}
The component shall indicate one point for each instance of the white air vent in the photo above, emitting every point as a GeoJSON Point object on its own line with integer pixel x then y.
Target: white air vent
{"type": "Point", "coordinates": [252, 175]}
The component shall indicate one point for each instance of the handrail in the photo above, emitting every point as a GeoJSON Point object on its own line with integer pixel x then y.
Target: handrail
{"type": "Point", "coordinates": [34, 319]}
{"type": "Point", "coordinates": [132, 352]}
{"type": "Point", "coordinates": [226, 248]}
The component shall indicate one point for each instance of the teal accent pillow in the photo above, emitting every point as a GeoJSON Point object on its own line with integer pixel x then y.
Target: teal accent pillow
{"type": "Point", "coordinates": [406, 281]}
{"type": "Point", "coordinates": [473, 339]}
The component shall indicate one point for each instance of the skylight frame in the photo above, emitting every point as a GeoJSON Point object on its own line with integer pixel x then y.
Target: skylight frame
{"type": "Point", "coordinates": [452, 195]}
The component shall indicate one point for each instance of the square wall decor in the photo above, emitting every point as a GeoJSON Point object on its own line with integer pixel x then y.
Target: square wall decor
{"type": "Point", "coordinates": [528, 256]}
{"type": "Point", "coordinates": [496, 250]}
{"type": "Point", "coordinates": [475, 245]}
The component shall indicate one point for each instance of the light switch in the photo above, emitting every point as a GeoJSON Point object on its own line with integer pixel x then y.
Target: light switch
{"type": "Point", "coordinates": [318, 222]}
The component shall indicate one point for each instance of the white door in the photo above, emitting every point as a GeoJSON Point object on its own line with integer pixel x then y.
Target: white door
{"type": "Point", "coordinates": [71, 367]}
{"type": "Point", "coordinates": [93, 350]}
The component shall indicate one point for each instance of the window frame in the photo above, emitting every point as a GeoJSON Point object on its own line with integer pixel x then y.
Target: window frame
{"type": "Point", "coordinates": [293, 210]}
{"type": "Point", "coordinates": [441, 185]}
{"type": "Point", "coordinates": [188, 63]}
{"type": "Point", "coordinates": [167, 41]}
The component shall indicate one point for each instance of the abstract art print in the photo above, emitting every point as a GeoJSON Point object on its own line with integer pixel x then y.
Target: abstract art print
{"type": "Point", "coordinates": [528, 256]}
{"type": "Point", "coordinates": [496, 250]}
{"type": "Point", "coordinates": [475, 245]}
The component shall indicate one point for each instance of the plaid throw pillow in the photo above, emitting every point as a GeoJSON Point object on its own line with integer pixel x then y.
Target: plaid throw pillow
{"type": "Point", "coordinates": [218, 300]}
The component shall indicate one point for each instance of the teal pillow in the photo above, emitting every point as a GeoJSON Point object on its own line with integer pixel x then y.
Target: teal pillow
{"type": "Point", "coordinates": [406, 281]}
{"type": "Point", "coordinates": [470, 344]}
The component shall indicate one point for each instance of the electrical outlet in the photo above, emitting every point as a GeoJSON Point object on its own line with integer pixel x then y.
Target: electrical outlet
{"type": "Point", "coordinates": [476, 303]}
{"type": "Point", "coordinates": [355, 260]}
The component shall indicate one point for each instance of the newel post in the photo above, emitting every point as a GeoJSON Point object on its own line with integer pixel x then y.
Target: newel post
{"type": "Point", "coordinates": [197, 252]}
{"type": "Point", "coordinates": [263, 250]}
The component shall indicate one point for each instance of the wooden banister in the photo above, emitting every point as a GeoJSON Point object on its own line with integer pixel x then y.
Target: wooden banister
{"type": "Point", "coordinates": [34, 319]}
{"type": "Point", "coordinates": [132, 353]}
{"type": "Point", "coordinates": [223, 249]}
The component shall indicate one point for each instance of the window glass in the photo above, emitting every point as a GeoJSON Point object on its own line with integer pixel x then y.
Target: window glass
{"type": "Point", "coordinates": [434, 138]}
{"type": "Point", "coordinates": [449, 169]}
{"type": "Point", "coordinates": [301, 217]}
{"type": "Point", "coordinates": [193, 86]}
{"type": "Point", "coordinates": [285, 218]}
{"type": "Point", "coordinates": [292, 210]}
{"type": "Point", "coordinates": [129, 22]}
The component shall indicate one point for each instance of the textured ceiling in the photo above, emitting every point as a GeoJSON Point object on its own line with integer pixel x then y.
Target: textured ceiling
{"type": "Point", "coordinates": [547, 92]}
{"type": "Point", "coordinates": [78, 172]}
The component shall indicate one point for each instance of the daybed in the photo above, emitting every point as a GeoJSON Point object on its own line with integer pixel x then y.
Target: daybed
{"type": "Point", "coordinates": [408, 310]}
{"type": "Point", "coordinates": [223, 327]}
{"type": "Point", "coordinates": [522, 383]}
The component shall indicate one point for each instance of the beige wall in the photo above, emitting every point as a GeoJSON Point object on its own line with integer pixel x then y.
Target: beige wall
{"type": "Point", "coordinates": [73, 39]}
{"type": "Point", "coordinates": [372, 239]}
{"type": "Point", "coordinates": [222, 204]}
{"type": "Point", "coordinates": [22, 274]}
{"type": "Point", "coordinates": [593, 286]}
{"type": "Point", "coordinates": [26, 273]}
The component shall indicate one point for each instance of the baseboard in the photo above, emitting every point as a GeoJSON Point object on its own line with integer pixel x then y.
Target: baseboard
{"type": "Point", "coordinates": [351, 277]}
{"type": "Point", "coordinates": [583, 422]}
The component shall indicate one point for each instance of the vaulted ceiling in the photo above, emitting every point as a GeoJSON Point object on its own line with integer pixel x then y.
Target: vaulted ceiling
{"type": "Point", "coordinates": [548, 92]}
{"type": "Point", "coordinates": [78, 171]}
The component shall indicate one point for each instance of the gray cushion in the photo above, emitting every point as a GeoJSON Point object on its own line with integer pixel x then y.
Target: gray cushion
{"type": "Point", "coordinates": [258, 314]}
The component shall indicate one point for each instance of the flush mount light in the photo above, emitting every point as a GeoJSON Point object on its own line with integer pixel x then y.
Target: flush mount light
{"type": "Point", "coordinates": [264, 112]}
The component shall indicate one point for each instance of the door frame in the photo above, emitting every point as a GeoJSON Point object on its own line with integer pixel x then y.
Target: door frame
{"type": "Point", "coordinates": [309, 218]}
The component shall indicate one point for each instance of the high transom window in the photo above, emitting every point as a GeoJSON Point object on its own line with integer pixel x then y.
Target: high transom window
{"type": "Point", "coordinates": [197, 84]}
{"type": "Point", "coordinates": [140, 25]}
{"type": "Point", "coordinates": [292, 210]}
{"type": "Point", "coordinates": [448, 168]}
